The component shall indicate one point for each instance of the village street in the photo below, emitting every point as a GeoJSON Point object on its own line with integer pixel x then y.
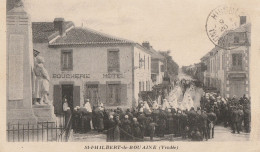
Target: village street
{"type": "Point", "coordinates": [221, 133]}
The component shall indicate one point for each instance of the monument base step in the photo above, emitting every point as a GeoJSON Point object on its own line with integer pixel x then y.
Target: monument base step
{"type": "Point", "coordinates": [44, 113]}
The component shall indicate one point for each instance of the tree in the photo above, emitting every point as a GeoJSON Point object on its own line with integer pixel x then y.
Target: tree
{"type": "Point", "coordinates": [170, 64]}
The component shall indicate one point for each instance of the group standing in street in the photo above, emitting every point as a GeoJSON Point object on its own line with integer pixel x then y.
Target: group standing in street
{"type": "Point", "coordinates": [154, 120]}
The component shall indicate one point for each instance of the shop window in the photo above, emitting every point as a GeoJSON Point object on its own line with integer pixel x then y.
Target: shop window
{"type": "Point", "coordinates": [237, 61]}
{"type": "Point", "coordinates": [114, 94]}
{"type": "Point", "coordinates": [66, 60]}
{"type": "Point", "coordinates": [113, 61]}
{"type": "Point", "coordinates": [92, 93]}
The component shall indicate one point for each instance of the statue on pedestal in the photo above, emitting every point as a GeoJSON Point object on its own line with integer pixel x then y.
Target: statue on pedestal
{"type": "Point", "coordinates": [41, 90]}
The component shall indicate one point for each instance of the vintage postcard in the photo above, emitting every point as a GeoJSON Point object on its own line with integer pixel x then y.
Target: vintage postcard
{"type": "Point", "coordinates": [132, 75]}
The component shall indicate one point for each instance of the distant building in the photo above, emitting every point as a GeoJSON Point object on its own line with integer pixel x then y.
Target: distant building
{"type": "Point", "coordinates": [228, 69]}
{"type": "Point", "coordinates": [157, 64]}
{"type": "Point", "coordinates": [86, 64]}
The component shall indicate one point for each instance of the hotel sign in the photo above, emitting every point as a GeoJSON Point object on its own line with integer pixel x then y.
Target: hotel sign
{"type": "Point", "coordinates": [113, 75]}
{"type": "Point", "coordinates": [70, 76]}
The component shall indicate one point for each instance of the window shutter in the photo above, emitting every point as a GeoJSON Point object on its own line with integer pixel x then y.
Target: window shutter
{"type": "Point", "coordinates": [70, 60]}
{"type": "Point", "coordinates": [102, 93]}
{"type": "Point", "coordinates": [234, 59]}
{"type": "Point", "coordinates": [123, 90]}
{"type": "Point", "coordinates": [139, 61]}
{"type": "Point", "coordinates": [223, 61]}
{"type": "Point", "coordinates": [57, 99]}
{"type": "Point", "coordinates": [239, 60]}
{"type": "Point", "coordinates": [62, 61]}
{"type": "Point", "coordinates": [76, 96]}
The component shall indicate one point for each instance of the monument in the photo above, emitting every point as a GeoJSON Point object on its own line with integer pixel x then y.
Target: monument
{"type": "Point", "coordinates": [20, 64]}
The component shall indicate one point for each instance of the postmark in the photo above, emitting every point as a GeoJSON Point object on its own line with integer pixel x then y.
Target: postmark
{"type": "Point", "coordinates": [221, 21]}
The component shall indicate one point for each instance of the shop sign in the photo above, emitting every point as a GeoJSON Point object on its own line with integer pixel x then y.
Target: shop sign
{"type": "Point", "coordinates": [70, 76]}
{"type": "Point", "coordinates": [237, 76]}
{"type": "Point", "coordinates": [113, 75]}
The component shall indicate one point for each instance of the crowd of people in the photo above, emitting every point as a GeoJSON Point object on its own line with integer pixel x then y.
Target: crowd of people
{"type": "Point", "coordinates": [149, 119]}
{"type": "Point", "coordinates": [231, 112]}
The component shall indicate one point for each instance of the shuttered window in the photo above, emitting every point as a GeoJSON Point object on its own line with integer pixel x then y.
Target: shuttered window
{"type": "Point", "coordinates": [113, 61]}
{"type": "Point", "coordinates": [237, 61]}
{"type": "Point", "coordinates": [66, 60]}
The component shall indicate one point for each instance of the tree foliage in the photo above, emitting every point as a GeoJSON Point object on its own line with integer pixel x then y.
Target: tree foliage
{"type": "Point", "coordinates": [172, 66]}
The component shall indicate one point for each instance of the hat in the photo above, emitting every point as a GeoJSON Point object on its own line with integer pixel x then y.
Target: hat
{"type": "Point", "coordinates": [134, 119]}
{"type": "Point", "coordinates": [126, 116]}
{"type": "Point", "coordinates": [111, 117]}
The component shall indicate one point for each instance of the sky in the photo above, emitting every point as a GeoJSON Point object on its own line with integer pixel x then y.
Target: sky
{"type": "Point", "coordinates": [176, 25]}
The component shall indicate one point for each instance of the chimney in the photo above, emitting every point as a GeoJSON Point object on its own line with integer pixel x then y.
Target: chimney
{"type": "Point", "coordinates": [146, 44]}
{"type": "Point", "coordinates": [59, 25]}
{"type": "Point", "coordinates": [242, 20]}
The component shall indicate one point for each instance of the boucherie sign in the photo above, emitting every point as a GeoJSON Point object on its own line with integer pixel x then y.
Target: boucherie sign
{"type": "Point", "coordinates": [70, 76]}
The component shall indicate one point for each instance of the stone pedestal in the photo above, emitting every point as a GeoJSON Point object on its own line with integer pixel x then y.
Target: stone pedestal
{"type": "Point", "coordinates": [44, 113]}
{"type": "Point", "coordinates": [19, 67]}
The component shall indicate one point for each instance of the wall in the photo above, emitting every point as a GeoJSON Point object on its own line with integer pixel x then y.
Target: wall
{"type": "Point", "coordinates": [220, 67]}
{"type": "Point", "coordinates": [143, 73]}
{"type": "Point", "coordinates": [245, 69]}
{"type": "Point", "coordinates": [156, 69]}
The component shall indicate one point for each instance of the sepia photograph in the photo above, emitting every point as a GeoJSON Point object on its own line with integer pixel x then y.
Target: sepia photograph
{"type": "Point", "coordinates": [127, 71]}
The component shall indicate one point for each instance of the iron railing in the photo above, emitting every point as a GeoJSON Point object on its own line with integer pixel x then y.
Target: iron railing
{"type": "Point", "coordinates": [40, 132]}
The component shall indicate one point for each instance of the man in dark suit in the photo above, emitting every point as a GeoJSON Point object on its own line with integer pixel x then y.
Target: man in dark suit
{"type": "Point", "coordinates": [235, 120]}
{"type": "Point", "coordinates": [212, 118]}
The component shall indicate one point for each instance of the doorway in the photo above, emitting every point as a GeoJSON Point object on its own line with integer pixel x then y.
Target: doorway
{"type": "Point", "coordinates": [67, 91]}
{"type": "Point", "coordinates": [237, 88]}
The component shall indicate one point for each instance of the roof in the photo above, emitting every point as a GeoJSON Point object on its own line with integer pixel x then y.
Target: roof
{"type": "Point", "coordinates": [245, 28]}
{"type": "Point", "coordinates": [80, 35]}
{"type": "Point", "coordinates": [44, 31]}
{"type": "Point", "coordinates": [156, 55]}
{"type": "Point", "coordinates": [214, 50]}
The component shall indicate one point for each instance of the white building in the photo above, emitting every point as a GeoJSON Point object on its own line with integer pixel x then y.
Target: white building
{"type": "Point", "coordinates": [157, 63]}
{"type": "Point", "coordinates": [86, 64]}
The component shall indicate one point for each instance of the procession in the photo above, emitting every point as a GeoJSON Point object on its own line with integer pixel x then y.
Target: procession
{"type": "Point", "coordinates": [77, 80]}
{"type": "Point", "coordinates": [176, 116]}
